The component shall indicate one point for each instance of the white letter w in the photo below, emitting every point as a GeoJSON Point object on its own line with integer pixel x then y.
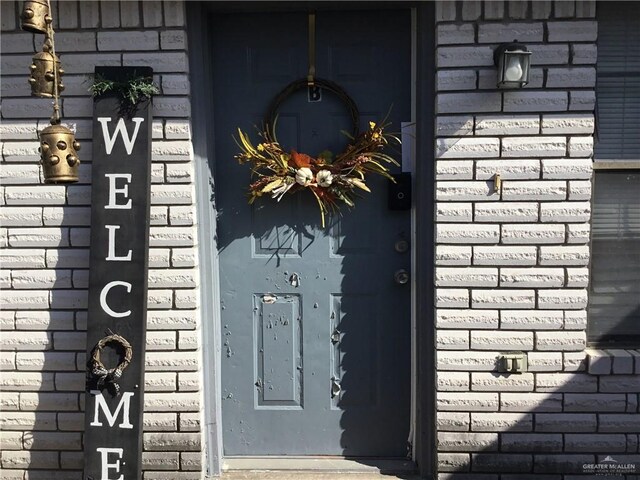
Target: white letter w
{"type": "Point", "coordinates": [109, 142]}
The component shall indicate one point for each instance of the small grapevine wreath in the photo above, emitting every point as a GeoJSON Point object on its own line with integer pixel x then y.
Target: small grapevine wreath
{"type": "Point", "coordinates": [101, 377]}
{"type": "Point", "coordinates": [332, 181]}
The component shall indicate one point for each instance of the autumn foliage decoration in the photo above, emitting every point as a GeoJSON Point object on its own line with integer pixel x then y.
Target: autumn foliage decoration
{"type": "Point", "coordinates": [332, 181]}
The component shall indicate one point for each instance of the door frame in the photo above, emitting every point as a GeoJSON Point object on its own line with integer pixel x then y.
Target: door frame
{"type": "Point", "coordinates": [423, 413]}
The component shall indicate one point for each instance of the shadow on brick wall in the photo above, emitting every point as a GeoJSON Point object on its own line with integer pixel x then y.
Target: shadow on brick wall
{"type": "Point", "coordinates": [585, 424]}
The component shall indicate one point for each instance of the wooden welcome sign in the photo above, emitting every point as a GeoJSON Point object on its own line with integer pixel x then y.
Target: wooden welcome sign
{"type": "Point", "coordinates": [117, 312]}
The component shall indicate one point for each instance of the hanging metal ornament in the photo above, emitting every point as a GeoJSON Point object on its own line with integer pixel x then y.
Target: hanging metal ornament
{"type": "Point", "coordinates": [59, 154]}
{"type": "Point", "coordinates": [36, 16]}
{"type": "Point", "coordinates": [43, 74]}
{"type": "Point", "coordinates": [58, 146]}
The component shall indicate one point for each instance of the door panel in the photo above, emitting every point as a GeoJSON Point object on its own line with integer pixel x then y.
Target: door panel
{"type": "Point", "coordinates": [279, 350]}
{"type": "Point", "coordinates": [316, 334]}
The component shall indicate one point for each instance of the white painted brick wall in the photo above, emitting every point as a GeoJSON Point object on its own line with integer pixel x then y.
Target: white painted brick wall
{"type": "Point", "coordinates": [506, 212]}
{"type": "Point", "coordinates": [487, 381]}
{"type": "Point", "coordinates": [566, 169]}
{"type": "Point", "coordinates": [456, 318]}
{"type": "Point", "coordinates": [531, 319]}
{"type": "Point", "coordinates": [467, 103]}
{"type": "Point", "coordinates": [504, 255]}
{"type": "Point", "coordinates": [467, 147]}
{"type": "Point", "coordinates": [458, 125]}
{"type": "Point", "coordinates": [469, 402]}
{"type": "Point", "coordinates": [534, 146]}
{"type": "Point", "coordinates": [532, 234]}
{"type": "Point", "coordinates": [456, 79]}
{"type": "Point", "coordinates": [460, 191]}
{"type": "Point", "coordinates": [453, 255]}
{"type": "Point", "coordinates": [454, 170]}
{"type": "Point", "coordinates": [507, 125]}
{"type": "Point", "coordinates": [524, 32]}
{"type": "Point", "coordinates": [453, 34]}
{"type": "Point", "coordinates": [467, 234]}
{"type": "Point", "coordinates": [501, 340]}
{"type": "Point", "coordinates": [513, 169]}
{"type": "Point", "coordinates": [535, 232]}
{"type": "Point", "coordinates": [454, 212]}
{"type": "Point", "coordinates": [511, 267]}
{"type": "Point", "coordinates": [534, 190]}
{"type": "Point", "coordinates": [45, 263]}
{"type": "Point", "coordinates": [503, 298]}
{"type": "Point", "coordinates": [466, 277]}
{"type": "Point", "coordinates": [532, 277]}
{"type": "Point", "coordinates": [464, 56]}
{"type": "Point", "coordinates": [525, 101]}
{"type": "Point", "coordinates": [565, 212]}
{"type": "Point", "coordinates": [451, 297]}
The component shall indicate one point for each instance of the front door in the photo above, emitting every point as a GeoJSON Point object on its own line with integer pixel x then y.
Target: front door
{"type": "Point", "coordinates": [315, 330]}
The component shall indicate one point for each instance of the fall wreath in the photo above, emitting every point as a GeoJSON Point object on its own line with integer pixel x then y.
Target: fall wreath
{"type": "Point", "coordinates": [332, 180]}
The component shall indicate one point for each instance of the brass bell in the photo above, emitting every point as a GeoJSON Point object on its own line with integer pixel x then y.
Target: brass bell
{"type": "Point", "coordinates": [42, 77]}
{"type": "Point", "coordinates": [59, 154]}
{"type": "Point", "coordinates": [36, 17]}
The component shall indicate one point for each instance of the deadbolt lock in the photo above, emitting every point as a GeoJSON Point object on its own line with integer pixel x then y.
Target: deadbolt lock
{"type": "Point", "coordinates": [401, 246]}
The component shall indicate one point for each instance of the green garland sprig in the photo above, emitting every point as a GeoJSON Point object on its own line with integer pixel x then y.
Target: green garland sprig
{"type": "Point", "coordinates": [130, 92]}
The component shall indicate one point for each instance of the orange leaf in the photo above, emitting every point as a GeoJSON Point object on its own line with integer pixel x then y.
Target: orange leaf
{"type": "Point", "coordinates": [300, 159]}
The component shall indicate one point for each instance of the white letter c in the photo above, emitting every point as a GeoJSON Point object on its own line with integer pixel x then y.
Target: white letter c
{"type": "Point", "coordinates": [103, 299]}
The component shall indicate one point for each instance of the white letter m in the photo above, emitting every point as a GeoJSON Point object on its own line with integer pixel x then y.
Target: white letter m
{"type": "Point", "coordinates": [111, 419]}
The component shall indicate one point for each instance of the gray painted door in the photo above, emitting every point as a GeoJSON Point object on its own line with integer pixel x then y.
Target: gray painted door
{"type": "Point", "coordinates": [315, 332]}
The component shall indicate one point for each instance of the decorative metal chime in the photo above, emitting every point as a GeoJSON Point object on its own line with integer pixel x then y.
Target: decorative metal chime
{"type": "Point", "coordinates": [36, 16]}
{"type": "Point", "coordinates": [58, 146]}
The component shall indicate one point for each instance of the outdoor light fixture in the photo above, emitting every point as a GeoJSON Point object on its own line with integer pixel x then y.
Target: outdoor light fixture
{"type": "Point", "coordinates": [513, 61]}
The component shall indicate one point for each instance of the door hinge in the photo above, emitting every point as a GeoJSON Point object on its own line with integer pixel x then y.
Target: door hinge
{"type": "Point", "coordinates": [335, 336]}
{"type": "Point", "coordinates": [335, 387]}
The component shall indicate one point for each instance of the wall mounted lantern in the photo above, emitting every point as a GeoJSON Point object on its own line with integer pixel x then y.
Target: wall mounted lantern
{"type": "Point", "coordinates": [513, 61]}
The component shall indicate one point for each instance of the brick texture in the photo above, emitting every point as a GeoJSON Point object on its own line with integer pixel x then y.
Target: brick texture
{"type": "Point", "coordinates": [512, 265]}
{"type": "Point", "coordinates": [46, 259]}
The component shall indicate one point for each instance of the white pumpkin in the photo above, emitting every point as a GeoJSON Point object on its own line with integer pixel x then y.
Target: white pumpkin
{"type": "Point", "coordinates": [324, 178]}
{"type": "Point", "coordinates": [304, 176]}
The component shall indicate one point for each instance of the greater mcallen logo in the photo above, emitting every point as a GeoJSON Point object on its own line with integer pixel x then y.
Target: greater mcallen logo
{"type": "Point", "coordinates": [609, 466]}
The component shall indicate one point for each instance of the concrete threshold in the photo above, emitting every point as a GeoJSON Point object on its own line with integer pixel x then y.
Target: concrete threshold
{"type": "Point", "coordinates": [306, 475]}
{"type": "Point", "coordinates": [317, 468]}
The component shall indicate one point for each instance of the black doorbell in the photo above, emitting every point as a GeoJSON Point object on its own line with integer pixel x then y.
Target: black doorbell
{"type": "Point", "coordinates": [400, 192]}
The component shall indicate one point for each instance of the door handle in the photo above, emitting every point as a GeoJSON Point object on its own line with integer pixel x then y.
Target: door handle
{"type": "Point", "coordinates": [401, 277]}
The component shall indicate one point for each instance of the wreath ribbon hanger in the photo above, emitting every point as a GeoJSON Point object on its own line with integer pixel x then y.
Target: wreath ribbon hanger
{"type": "Point", "coordinates": [312, 50]}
